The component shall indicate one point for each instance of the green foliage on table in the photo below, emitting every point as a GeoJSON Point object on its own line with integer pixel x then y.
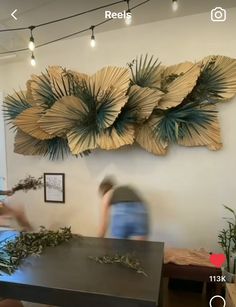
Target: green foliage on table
{"type": "Point", "coordinates": [126, 260]}
{"type": "Point", "coordinates": [13, 251]}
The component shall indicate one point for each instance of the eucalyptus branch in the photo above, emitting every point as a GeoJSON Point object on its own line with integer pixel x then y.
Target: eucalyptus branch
{"type": "Point", "coordinates": [125, 260]}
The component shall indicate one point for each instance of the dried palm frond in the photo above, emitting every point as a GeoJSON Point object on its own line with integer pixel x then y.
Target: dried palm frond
{"type": "Point", "coordinates": [177, 82]}
{"type": "Point", "coordinates": [142, 102]}
{"type": "Point", "coordinates": [60, 82]}
{"type": "Point", "coordinates": [102, 97]}
{"type": "Point", "coordinates": [146, 72]}
{"type": "Point", "coordinates": [15, 105]}
{"type": "Point", "coordinates": [27, 121]}
{"type": "Point", "coordinates": [39, 90]}
{"type": "Point", "coordinates": [202, 132]}
{"type": "Point", "coordinates": [149, 140]}
{"type": "Point", "coordinates": [139, 107]}
{"type": "Point", "coordinates": [56, 148]}
{"type": "Point", "coordinates": [66, 113]}
{"type": "Point", "coordinates": [189, 125]}
{"type": "Point", "coordinates": [217, 81]}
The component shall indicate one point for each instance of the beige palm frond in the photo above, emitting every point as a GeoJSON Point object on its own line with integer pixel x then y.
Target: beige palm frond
{"type": "Point", "coordinates": [146, 72]}
{"type": "Point", "coordinates": [60, 82]}
{"type": "Point", "coordinates": [56, 148]}
{"type": "Point", "coordinates": [113, 138]}
{"type": "Point", "coordinates": [142, 102]}
{"type": "Point", "coordinates": [82, 139]}
{"type": "Point", "coordinates": [109, 79]}
{"type": "Point", "coordinates": [39, 91]}
{"type": "Point", "coordinates": [26, 144]}
{"type": "Point", "coordinates": [149, 140]}
{"type": "Point", "coordinates": [217, 82]}
{"type": "Point", "coordinates": [177, 82]}
{"type": "Point", "coordinates": [107, 88]}
{"type": "Point", "coordinates": [27, 121]}
{"type": "Point", "coordinates": [63, 115]}
{"type": "Point", "coordinates": [77, 76]}
{"type": "Point", "coordinates": [203, 135]}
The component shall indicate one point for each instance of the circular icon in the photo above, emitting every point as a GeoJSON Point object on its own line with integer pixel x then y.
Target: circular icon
{"type": "Point", "coordinates": [210, 304]}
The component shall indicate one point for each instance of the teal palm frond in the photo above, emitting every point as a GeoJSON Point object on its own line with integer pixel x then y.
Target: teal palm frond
{"type": "Point", "coordinates": [146, 72]}
{"type": "Point", "coordinates": [54, 149]}
{"type": "Point", "coordinates": [217, 81]}
{"type": "Point", "coordinates": [14, 105]}
{"type": "Point", "coordinates": [175, 123]}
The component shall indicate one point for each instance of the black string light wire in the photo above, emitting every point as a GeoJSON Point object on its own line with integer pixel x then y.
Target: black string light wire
{"type": "Point", "coordinates": [71, 34]}
{"type": "Point", "coordinates": [64, 18]}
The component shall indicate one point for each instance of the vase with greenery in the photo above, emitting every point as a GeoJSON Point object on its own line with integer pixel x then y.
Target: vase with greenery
{"type": "Point", "coordinates": [227, 240]}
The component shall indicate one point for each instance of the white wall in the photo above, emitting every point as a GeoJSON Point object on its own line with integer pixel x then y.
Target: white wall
{"type": "Point", "coordinates": [186, 189]}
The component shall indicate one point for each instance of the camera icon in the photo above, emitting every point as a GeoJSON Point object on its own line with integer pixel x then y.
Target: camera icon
{"type": "Point", "coordinates": [218, 14]}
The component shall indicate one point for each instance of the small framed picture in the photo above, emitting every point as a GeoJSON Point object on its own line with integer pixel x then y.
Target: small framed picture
{"type": "Point", "coordinates": [54, 187]}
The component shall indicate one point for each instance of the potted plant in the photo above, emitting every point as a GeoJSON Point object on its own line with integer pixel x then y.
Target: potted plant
{"type": "Point", "coordinates": [227, 240]}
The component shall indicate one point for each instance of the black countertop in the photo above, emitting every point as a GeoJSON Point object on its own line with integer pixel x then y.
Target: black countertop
{"type": "Point", "coordinates": [65, 276]}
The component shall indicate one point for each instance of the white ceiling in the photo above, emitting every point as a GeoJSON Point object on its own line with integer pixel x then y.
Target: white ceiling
{"type": "Point", "coordinates": [31, 12]}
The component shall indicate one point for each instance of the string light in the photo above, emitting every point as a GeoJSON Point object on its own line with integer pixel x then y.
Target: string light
{"type": "Point", "coordinates": [92, 41]}
{"type": "Point", "coordinates": [32, 45]}
{"type": "Point", "coordinates": [32, 60]}
{"type": "Point", "coordinates": [31, 41]}
{"type": "Point", "coordinates": [175, 5]}
{"type": "Point", "coordinates": [128, 17]}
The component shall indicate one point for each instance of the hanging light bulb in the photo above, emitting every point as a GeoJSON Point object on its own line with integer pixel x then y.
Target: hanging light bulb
{"type": "Point", "coordinates": [31, 41]}
{"type": "Point", "coordinates": [92, 41]}
{"type": "Point", "coordinates": [32, 60]}
{"type": "Point", "coordinates": [175, 5]}
{"type": "Point", "coordinates": [128, 17]}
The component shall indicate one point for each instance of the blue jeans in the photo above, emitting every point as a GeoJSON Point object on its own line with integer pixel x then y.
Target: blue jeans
{"type": "Point", "coordinates": [129, 220]}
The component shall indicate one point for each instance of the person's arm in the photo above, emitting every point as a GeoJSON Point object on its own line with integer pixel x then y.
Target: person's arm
{"type": "Point", "coordinates": [7, 193]}
{"type": "Point", "coordinates": [104, 215]}
{"type": "Point", "coordinates": [19, 215]}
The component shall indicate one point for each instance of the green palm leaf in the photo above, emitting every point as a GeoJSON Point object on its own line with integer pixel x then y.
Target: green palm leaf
{"type": "Point", "coordinates": [188, 124]}
{"type": "Point", "coordinates": [56, 148]}
{"type": "Point", "coordinates": [146, 72]}
{"type": "Point", "coordinates": [217, 81]}
{"type": "Point", "coordinates": [15, 105]}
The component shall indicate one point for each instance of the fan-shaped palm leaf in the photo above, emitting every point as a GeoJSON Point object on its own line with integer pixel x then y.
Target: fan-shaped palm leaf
{"type": "Point", "coordinates": [66, 113]}
{"type": "Point", "coordinates": [60, 81]}
{"type": "Point", "coordinates": [146, 72]}
{"type": "Point", "coordinates": [149, 140]}
{"type": "Point", "coordinates": [217, 82]}
{"type": "Point", "coordinates": [56, 148]}
{"type": "Point", "coordinates": [177, 82]}
{"type": "Point", "coordinates": [27, 121]}
{"type": "Point", "coordinates": [39, 91]}
{"type": "Point", "coordinates": [189, 125]}
{"type": "Point", "coordinates": [103, 94]}
{"type": "Point", "coordinates": [139, 107]}
{"type": "Point", "coordinates": [15, 105]}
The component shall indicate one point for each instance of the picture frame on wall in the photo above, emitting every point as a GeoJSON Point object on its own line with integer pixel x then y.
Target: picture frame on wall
{"type": "Point", "coordinates": [54, 188]}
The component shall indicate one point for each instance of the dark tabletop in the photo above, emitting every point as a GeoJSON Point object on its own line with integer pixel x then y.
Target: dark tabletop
{"type": "Point", "coordinates": [65, 276]}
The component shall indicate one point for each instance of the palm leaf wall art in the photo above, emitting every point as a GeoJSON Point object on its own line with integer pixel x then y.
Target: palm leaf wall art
{"type": "Point", "coordinates": [66, 112]}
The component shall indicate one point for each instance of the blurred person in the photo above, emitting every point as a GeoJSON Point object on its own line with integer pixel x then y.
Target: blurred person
{"type": "Point", "coordinates": [123, 211]}
{"type": "Point", "coordinates": [7, 213]}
